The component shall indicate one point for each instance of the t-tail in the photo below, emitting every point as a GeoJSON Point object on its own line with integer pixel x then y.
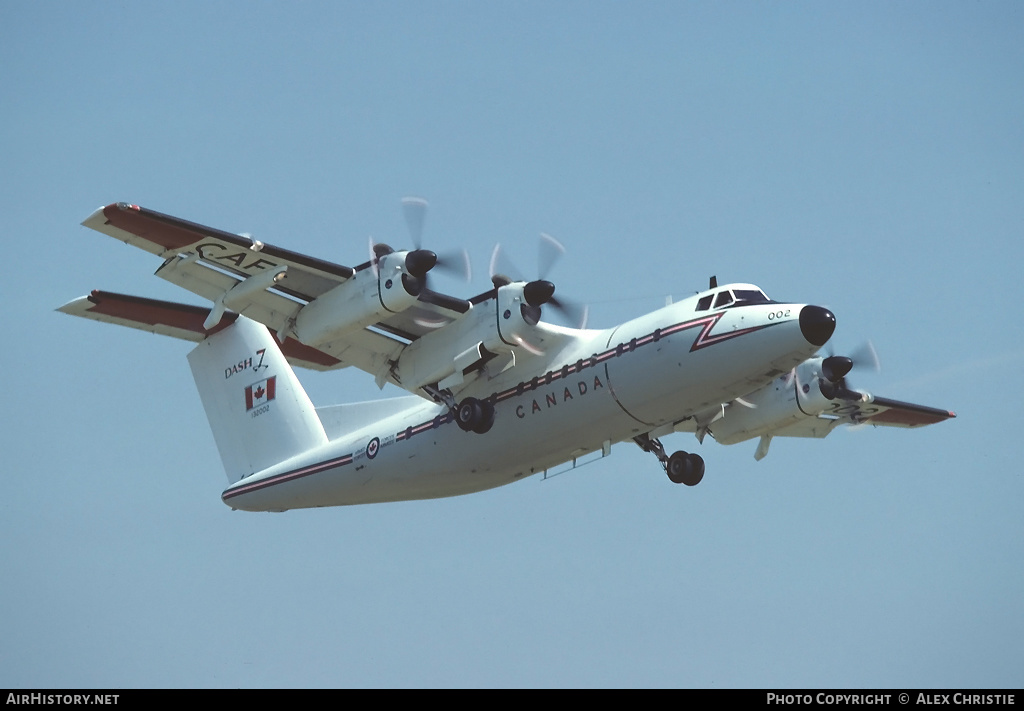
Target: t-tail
{"type": "Point", "coordinates": [259, 413]}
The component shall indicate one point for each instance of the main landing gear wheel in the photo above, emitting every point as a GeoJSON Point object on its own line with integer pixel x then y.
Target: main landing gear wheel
{"type": "Point", "coordinates": [683, 468]}
{"type": "Point", "coordinates": [473, 415]}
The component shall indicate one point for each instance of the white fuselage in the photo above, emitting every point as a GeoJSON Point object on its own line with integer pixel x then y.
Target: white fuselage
{"type": "Point", "coordinates": [602, 387]}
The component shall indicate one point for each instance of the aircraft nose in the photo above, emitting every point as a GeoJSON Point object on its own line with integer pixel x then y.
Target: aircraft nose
{"type": "Point", "coordinates": [817, 324]}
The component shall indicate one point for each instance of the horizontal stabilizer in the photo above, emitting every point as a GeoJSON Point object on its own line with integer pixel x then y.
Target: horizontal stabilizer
{"type": "Point", "coordinates": [179, 321]}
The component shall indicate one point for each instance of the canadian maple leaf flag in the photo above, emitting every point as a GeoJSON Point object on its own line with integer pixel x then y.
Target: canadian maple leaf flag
{"type": "Point", "coordinates": [260, 393]}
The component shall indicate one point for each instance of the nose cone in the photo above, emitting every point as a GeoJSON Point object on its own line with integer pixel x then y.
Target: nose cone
{"type": "Point", "coordinates": [817, 324]}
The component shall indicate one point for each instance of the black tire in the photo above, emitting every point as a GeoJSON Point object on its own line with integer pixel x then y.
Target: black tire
{"type": "Point", "coordinates": [486, 418]}
{"type": "Point", "coordinates": [696, 470]}
{"type": "Point", "coordinates": [469, 414]}
{"type": "Point", "coordinates": [684, 468]}
{"type": "Point", "coordinates": [676, 467]}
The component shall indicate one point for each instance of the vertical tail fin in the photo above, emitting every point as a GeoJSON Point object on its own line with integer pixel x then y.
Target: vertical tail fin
{"type": "Point", "coordinates": [258, 411]}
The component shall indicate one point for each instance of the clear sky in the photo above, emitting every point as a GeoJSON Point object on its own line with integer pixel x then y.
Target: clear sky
{"type": "Point", "coordinates": [865, 156]}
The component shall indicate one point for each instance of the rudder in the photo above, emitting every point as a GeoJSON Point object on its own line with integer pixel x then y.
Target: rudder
{"type": "Point", "coordinates": [259, 412]}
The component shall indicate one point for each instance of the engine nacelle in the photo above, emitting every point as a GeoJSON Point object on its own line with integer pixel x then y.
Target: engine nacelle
{"type": "Point", "coordinates": [363, 300]}
{"type": "Point", "coordinates": [785, 401]}
{"type": "Point", "coordinates": [494, 328]}
{"type": "Point", "coordinates": [515, 317]}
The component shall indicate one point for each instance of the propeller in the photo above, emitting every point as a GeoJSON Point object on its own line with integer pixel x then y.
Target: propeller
{"type": "Point", "coordinates": [549, 251]}
{"type": "Point", "coordinates": [419, 262]}
{"type": "Point", "coordinates": [415, 211]}
{"type": "Point", "coordinates": [834, 370]}
{"type": "Point", "coordinates": [539, 292]}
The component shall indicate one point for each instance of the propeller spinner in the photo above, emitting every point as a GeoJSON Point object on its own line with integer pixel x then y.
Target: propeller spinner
{"type": "Point", "coordinates": [834, 370]}
{"type": "Point", "coordinates": [539, 292]}
{"type": "Point", "coordinates": [420, 262]}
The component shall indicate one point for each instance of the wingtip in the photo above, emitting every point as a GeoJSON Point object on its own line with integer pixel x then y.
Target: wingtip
{"type": "Point", "coordinates": [97, 216]}
{"type": "Point", "coordinates": [103, 213]}
{"type": "Point", "coordinates": [75, 306]}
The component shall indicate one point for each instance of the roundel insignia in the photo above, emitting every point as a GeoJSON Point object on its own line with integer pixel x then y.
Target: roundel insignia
{"type": "Point", "coordinates": [373, 447]}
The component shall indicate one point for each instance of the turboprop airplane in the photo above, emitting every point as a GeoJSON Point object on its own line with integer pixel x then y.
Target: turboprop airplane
{"type": "Point", "coordinates": [496, 393]}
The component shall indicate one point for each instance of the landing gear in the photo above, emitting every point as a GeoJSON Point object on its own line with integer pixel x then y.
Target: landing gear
{"type": "Point", "coordinates": [473, 415]}
{"type": "Point", "coordinates": [681, 467]}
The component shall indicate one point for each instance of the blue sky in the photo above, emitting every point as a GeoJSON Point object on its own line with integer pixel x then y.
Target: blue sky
{"type": "Point", "coordinates": [865, 156]}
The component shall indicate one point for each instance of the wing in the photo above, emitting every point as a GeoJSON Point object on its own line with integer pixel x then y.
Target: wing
{"type": "Point", "coordinates": [881, 411]}
{"type": "Point", "coordinates": [211, 263]}
{"type": "Point", "coordinates": [239, 256]}
{"type": "Point", "coordinates": [783, 409]}
{"type": "Point", "coordinates": [870, 410]}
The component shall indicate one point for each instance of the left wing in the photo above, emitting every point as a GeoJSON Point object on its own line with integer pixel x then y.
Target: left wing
{"type": "Point", "coordinates": [240, 256]}
{"type": "Point", "coordinates": [265, 283]}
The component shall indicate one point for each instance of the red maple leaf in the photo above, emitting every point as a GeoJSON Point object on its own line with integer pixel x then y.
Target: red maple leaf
{"type": "Point", "coordinates": [259, 392]}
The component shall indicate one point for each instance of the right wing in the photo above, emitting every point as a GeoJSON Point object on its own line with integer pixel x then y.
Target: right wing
{"type": "Point", "coordinates": [873, 410]}
{"type": "Point", "coordinates": [780, 410]}
{"type": "Point", "coordinates": [870, 410]}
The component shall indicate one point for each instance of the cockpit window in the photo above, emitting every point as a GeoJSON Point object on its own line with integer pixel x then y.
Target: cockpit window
{"type": "Point", "coordinates": [750, 296]}
{"type": "Point", "coordinates": [737, 297]}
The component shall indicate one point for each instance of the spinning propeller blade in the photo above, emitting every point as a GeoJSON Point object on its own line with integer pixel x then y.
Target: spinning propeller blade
{"type": "Point", "coordinates": [420, 262]}
{"type": "Point", "coordinates": [415, 211]}
{"type": "Point", "coordinates": [539, 292]}
{"type": "Point", "coordinates": [549, 251]}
